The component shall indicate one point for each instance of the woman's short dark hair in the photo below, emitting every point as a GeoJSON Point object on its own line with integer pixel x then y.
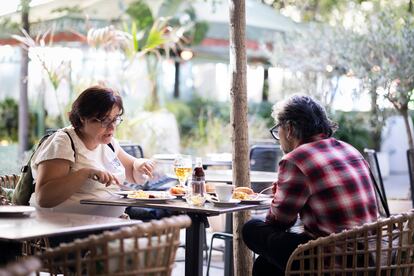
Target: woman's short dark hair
{"type": "Point", "coordinates": [306, 116]}
{"type": "Point", "coordinates": [94, 102]}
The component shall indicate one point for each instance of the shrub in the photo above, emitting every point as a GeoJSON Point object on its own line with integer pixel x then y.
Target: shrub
{"type": "Point", "coordinates": [9, 120]}
{"type": "Point", "coordinates": [353, 129]}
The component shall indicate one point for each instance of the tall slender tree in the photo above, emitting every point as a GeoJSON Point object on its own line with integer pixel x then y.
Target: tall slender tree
{"type": "Point", "coordinates": [238, 119]}
{"type": "Point", "coordinates": [23, 98]}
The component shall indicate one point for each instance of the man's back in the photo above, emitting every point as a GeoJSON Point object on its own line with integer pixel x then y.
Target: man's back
{"type": "Point", "coordinates": [328, 183]}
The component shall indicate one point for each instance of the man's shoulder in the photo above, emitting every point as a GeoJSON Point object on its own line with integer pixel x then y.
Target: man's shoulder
{"type": "Point", "coordinates": [329, 148]}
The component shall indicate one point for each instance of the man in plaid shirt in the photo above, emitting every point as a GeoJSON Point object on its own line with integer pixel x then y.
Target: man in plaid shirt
{"type": "Point", "coordinates": [325, 181]}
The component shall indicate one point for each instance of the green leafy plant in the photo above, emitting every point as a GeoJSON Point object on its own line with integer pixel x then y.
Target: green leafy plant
{"type": "Point", "coordinates": [151, 37]}
{"type": "Point", "coordinates": [56, 70]}
{"type": "Point", "coordinates": [8, 122]}
{"type": "Point", "coordinates": [353, 129]}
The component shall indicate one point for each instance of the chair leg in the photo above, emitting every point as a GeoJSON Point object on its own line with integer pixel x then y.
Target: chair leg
{"type": "Point", "coordinates": [209, 255]}
{"type": "Point", "coordinates": [205, 244]}
{"type": "Point", "coordinates": [218, 235]}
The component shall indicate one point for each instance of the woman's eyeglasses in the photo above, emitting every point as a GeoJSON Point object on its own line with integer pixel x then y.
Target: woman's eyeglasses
{"type": "Point", "coordinates": [106, 123]}
{"type": "Point", "coordinates": [275, 131]}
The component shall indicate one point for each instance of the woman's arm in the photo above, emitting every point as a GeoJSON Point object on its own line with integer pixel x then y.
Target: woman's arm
{"type": "Point", "coordinates": [55, 183]}
{"type": "Point", "coordinates": [135, 168]}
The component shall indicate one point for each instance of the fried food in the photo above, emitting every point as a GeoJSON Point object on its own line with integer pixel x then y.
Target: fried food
{"type": "Point", "coordinates": [177, 190]}
{"type": "Point", "coordinates": [139, 194]}
{"type": "Point", "coordinates": [246, 190]}
{"type": "Point", "coordinates": [240, 195]}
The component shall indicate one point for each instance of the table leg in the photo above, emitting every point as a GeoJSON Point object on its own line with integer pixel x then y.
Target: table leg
{"type": "Point", "coordinates": [194, 246]}
{"type": "Point", "coordinates": [228, 247]}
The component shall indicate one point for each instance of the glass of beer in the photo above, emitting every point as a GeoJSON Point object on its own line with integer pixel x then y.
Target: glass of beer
{"type": "Point", "coordinates": [182, 168]}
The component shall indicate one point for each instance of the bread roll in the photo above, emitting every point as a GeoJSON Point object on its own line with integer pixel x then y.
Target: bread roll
{"type": "Point", "coordinates": [246, 190]}
{"type": "Point", "coordinates": [177, 190]}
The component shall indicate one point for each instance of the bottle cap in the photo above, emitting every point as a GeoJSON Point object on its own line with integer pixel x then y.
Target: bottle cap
{"type": "Point", "coordinates": [199, 162]}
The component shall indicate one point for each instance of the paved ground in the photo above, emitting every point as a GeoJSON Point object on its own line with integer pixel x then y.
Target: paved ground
{"type": "Point", "coordinates": [397, 186]}
{"type": "Point", "coordinates": [217, 264]}
{"type": "Point", "coordinates": [397, 189]}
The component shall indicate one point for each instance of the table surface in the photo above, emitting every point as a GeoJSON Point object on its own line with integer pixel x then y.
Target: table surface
{"type": "Point", "coordinates": [209, 209]}
{"type": "Point", "coordinates": [48, 223]}
{"type": "Point", "coordinates": [226, 176]}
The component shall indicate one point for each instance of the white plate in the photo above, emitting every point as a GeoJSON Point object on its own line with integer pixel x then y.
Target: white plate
{"type": "Point", "coordinates": [230, 203]}
{"type": "Point", "coordinates": [253, 201]}
{"type": "Point", "coordinates": [16, 209]}
{"type": "Point", "coordinates": [123, 193]}
{"type": "Point", "coordinates": [178, 195]}
{"type": "Point", "coordinates": [153, 200]}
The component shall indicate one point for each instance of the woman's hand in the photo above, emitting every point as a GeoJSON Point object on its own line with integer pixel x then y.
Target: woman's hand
{"type": "Point", "coordinates": [103, 176]}
{"type": "Point", "coordinates": [143, 168]}
{"type": "Point", "coordinates": [137, 170]}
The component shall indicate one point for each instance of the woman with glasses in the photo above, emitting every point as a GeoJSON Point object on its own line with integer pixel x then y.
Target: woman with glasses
{"type": "Point", "coordinates": [84, 160]}
{"type": "Point", "coordinates": [323, 181]}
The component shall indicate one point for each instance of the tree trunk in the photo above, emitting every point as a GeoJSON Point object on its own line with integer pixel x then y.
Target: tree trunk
{"type": "Point", "coordinates": [407, 119]}
{"type": "Point", "coordinates": [152, 66]}
{"type": "Point", "coordinates": [177, 79]}
{"type": "Point", "coordinates": [376, 131]}
{"type": "Point", "coordinates": [23, 98]}
{"type": "Point", "coordinates": [240, 140]}
{"type": "Point", "coordinates": [410, 6]}
{"type": "Point", "coordinates": [265, 92]}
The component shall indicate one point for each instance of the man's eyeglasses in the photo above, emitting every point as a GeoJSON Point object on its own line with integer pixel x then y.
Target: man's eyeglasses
{"type": "Point", "coordinates": [275, 131]}
{"type": "Point", "coordinates": [106, 123]}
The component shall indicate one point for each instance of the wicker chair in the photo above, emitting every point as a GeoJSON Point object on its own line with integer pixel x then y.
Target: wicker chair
{"type": "Point", "coordinates": [9, 181]}
{"type": "Point", "coordinates": [7, 185]}
{"type": "Point", "coordinates": [385, 247]}
{"type": "Point", "coordinates": [143, 249]}
{"type": "Point", "coordinates": [22, 267]}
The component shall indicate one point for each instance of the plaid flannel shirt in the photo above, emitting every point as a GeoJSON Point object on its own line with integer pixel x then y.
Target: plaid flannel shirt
{"type": "Point", "coordinates": [328, 184]}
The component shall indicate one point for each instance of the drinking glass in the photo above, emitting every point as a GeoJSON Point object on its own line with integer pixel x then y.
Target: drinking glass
{"type": "Point", "coordinates": [182, 168]}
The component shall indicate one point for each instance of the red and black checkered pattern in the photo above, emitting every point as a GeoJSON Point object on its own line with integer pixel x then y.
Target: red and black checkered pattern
{"type": "Point", "coordinates": [328, 184]}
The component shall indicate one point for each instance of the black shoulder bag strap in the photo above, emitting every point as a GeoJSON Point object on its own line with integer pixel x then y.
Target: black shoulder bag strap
{"type": "Point", "coordinates": [71, 143]}
{"type": "Point", "coordinates": [111, 146]}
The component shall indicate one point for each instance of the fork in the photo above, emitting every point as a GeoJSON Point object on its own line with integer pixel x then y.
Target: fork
{"type": "Point", "coordinates": [262, 191]}
{"type": "Point", "coordinates": [122, 186]}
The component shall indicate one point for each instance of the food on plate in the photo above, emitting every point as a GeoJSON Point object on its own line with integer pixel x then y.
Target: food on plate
{"type": "Point", "coordinates": [177, 190]}
{"type": "Point", "coordinates": [240, 195]}
{"type": "Point", "coordinates": [244, 193]}
{"type": "Point", "coordinates": [140, 194]}
{"type": "Point", "coordinates": [196, 200]}
{"type": "Point", "coordinates": [246, 190]}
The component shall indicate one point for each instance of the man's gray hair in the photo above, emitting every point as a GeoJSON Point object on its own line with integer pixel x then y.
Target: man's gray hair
{"type": "Point", "coordinates": [305, 115]}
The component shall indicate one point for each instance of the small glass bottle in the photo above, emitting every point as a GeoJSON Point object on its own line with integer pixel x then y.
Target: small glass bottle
{"type": "Point", "coordinates": [198, 188]}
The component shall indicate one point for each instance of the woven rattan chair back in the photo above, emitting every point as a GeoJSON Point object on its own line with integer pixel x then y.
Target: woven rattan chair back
{"type": "Point", "coordinates": [144, 249]}
{"type": "Point", "coordinates": [384, 247]}
{"type": "Point", "coordinates": [23, 267]}
{"type": "Point", "coordinates": [30, 247]}
{"type": "Point", "coordinates": [9, 181]}
{"type": "Point", "coordinates": [7, 185]}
